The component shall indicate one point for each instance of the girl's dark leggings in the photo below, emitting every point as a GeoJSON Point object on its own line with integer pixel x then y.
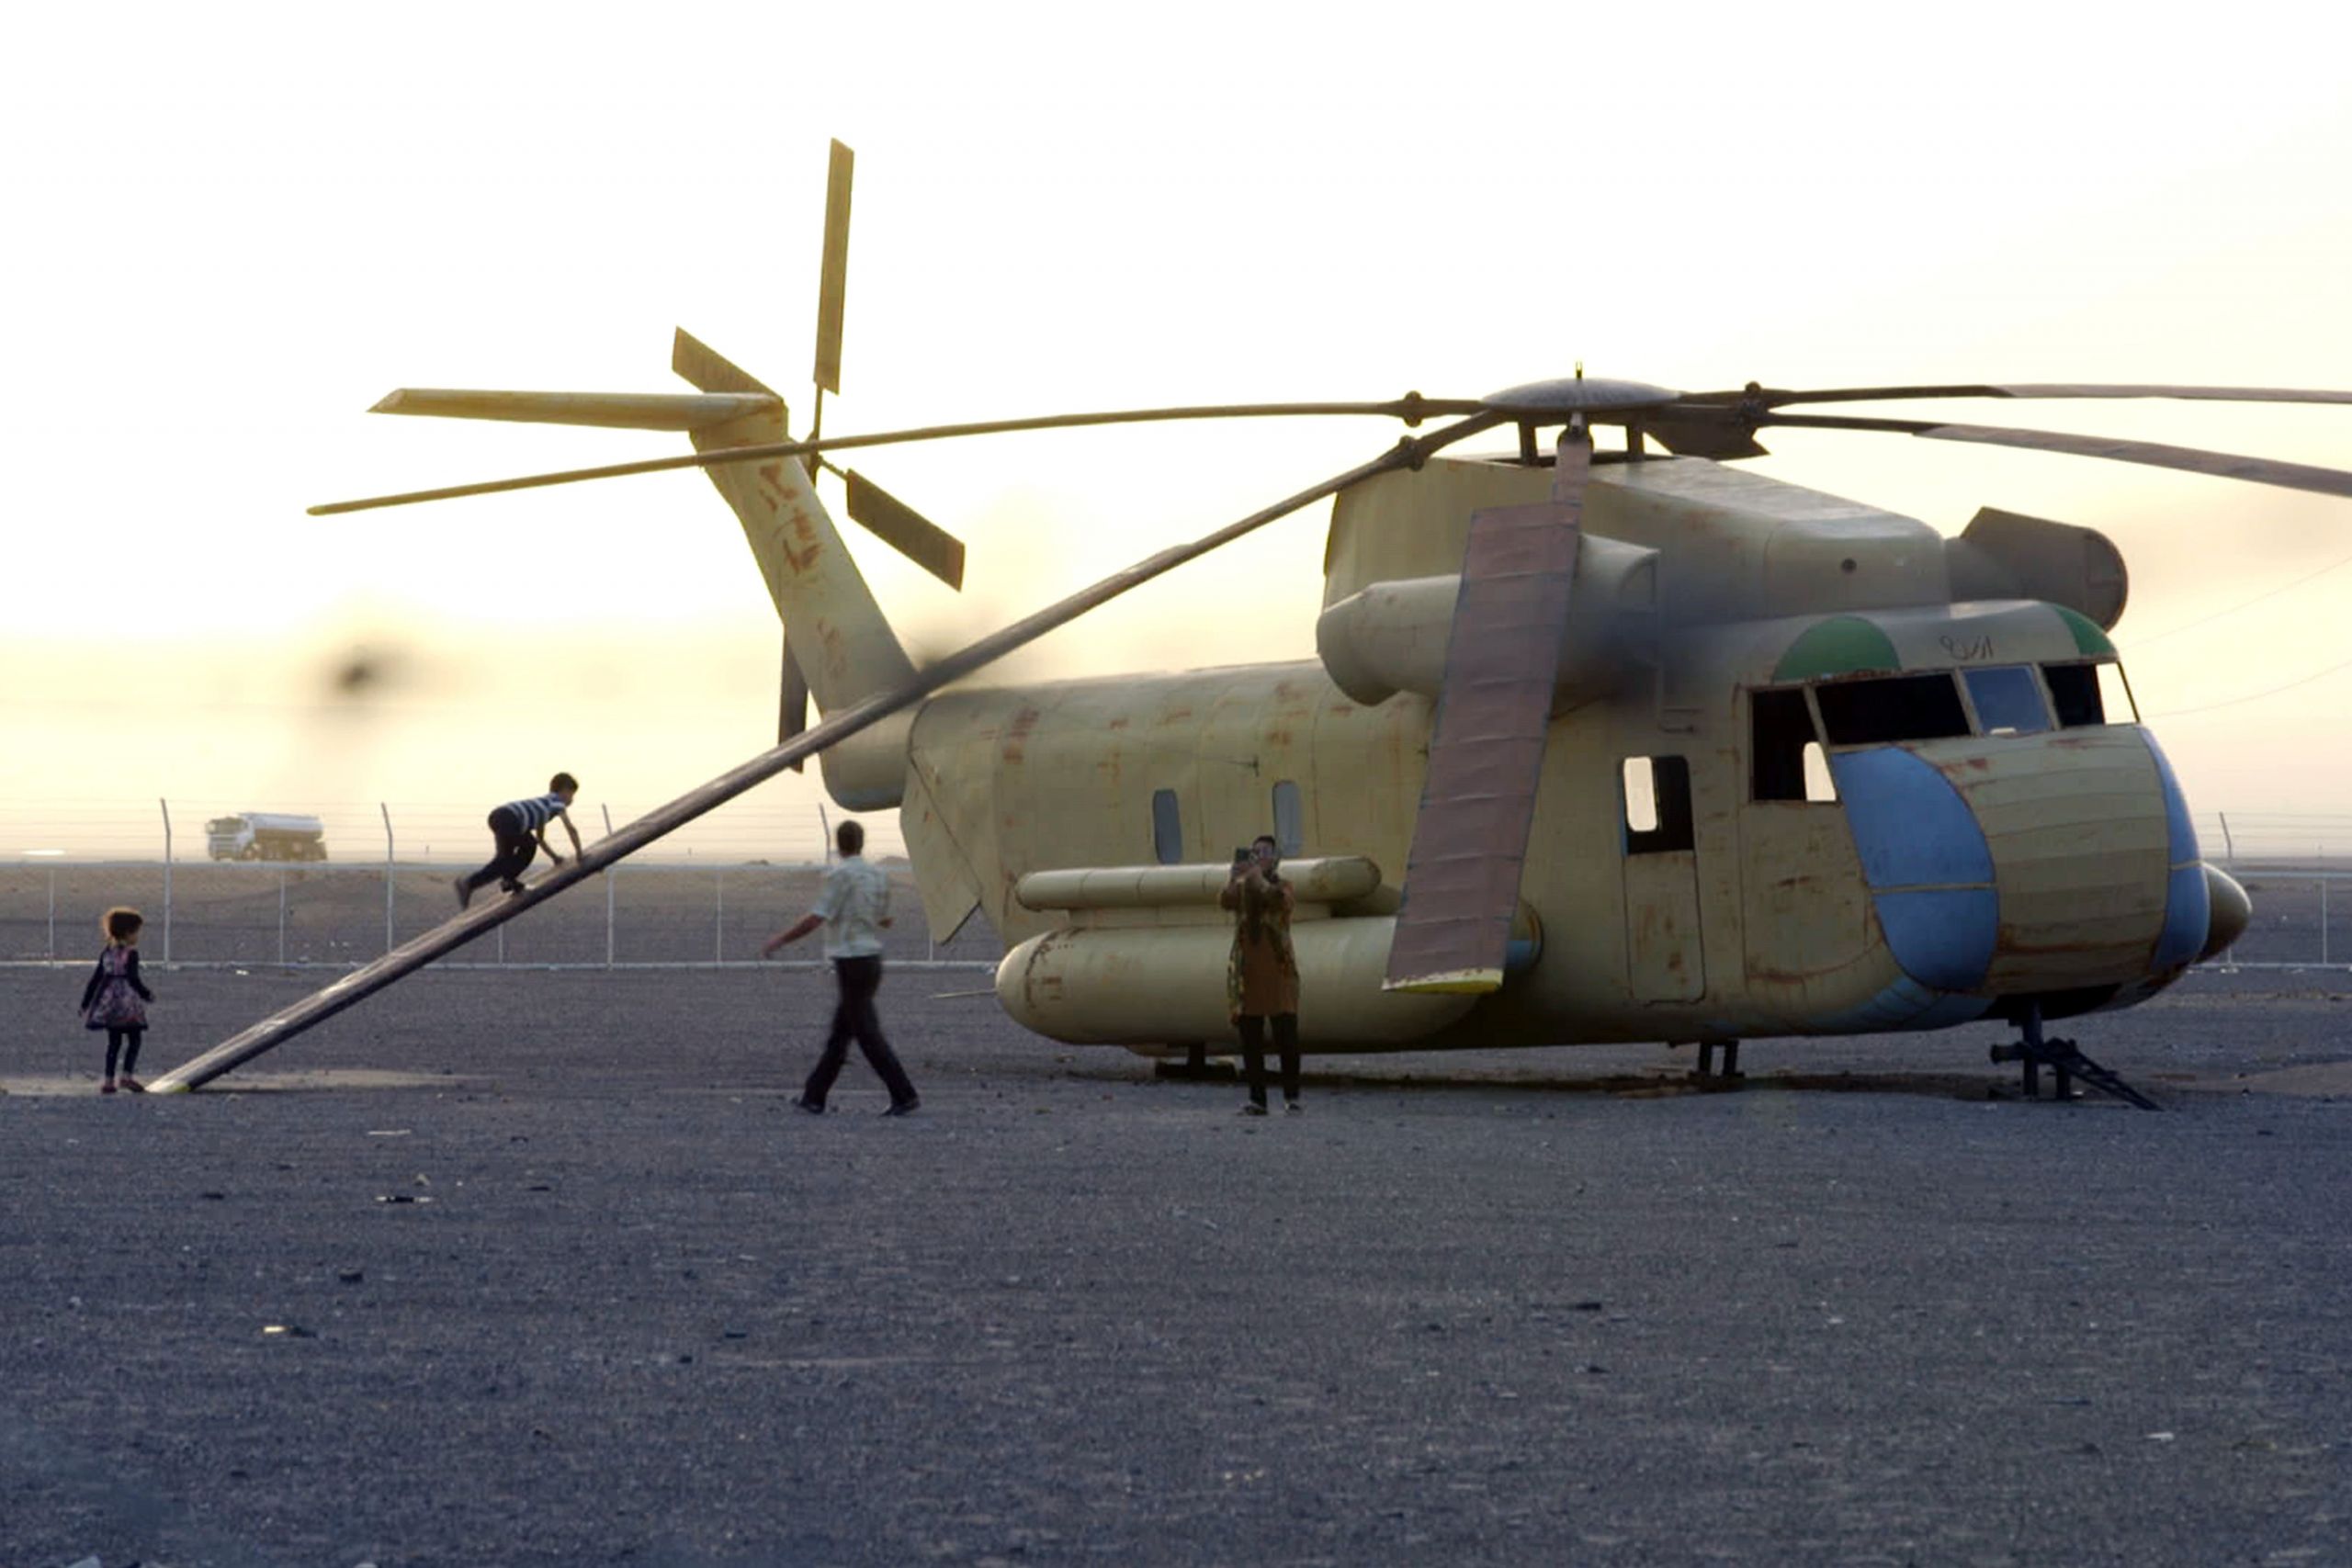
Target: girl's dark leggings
{"type": "Point", "coordinates": [115, 1042]}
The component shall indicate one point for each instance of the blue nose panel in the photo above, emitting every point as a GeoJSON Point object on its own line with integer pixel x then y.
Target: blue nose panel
{"type": "Point", "coordinates": [1930, 869]}
{"type": "Point", "coordinates": [2188, 901]}
{"type": "Point", "coordinates": [1943, 937]}
{"type": "Point", "coordinates": [2182, 836]}
{"type": "Point", "coordinates": [1910, 826]}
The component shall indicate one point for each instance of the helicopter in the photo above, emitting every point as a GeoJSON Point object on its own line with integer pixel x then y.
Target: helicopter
{"type": "Point", "coordinates": [1598, 746]}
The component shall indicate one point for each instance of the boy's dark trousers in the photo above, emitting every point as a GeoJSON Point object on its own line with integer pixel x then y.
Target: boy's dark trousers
{"type": "Point", "coordinates": [854, 1019]}
{"type": "Point", "coordinates": [517, 849]}
{"type": "Point", "coordinates": [1253, 1054]}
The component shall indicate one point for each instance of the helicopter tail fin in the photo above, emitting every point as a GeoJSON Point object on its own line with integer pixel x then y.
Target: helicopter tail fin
{"type": "Point", "coordinates": [837, 640]}
{"type": "Point", "coordinates": [838, 632]}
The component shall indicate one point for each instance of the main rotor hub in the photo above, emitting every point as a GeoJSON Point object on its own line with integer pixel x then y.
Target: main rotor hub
{"type": "Point", "coordinates": [1546, 402]}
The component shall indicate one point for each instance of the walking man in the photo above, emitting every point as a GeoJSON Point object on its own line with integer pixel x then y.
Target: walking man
{"type": "Point", "coordinates": [520, 830]}
{"type": "Point", "coordinates": [854, 910]}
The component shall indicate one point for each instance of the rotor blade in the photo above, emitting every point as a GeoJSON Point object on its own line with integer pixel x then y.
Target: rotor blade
{"type": "Point", "coordinates": [1487, 738]}
{"type": "Point", "coordinates": [833, 282]}
{"type": "Point", "coordinates": [1773, 398]}
{"type": "Point", "coordinates": [612, 411]}
{"type": "Point", "coordinates": [907, 531]}
{"type": "Point", "coordinates": [485, 916]}
{"type": "Point", "coordinates": [1412, 408]}
{"type": "Point", "coordinates": [2188, 459]}
{"type": "Point", "coordinates": [1711, 435]}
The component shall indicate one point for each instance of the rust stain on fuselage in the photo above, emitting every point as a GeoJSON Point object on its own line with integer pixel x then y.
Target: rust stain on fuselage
{"type": "Point", "coordinates": [1015, 747]}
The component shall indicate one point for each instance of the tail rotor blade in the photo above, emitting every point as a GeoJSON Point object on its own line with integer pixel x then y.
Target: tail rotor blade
{"type": "Point", "coordinates": [907, 531]}
{"type": "Point", "coordinates": [834, 285]}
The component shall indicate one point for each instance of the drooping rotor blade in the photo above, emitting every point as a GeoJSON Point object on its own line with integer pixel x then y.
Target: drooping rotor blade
{"type": "Point", "coordinates": [1412, 408]}
{"type": "Point", "coordinates": [907, 531]}
{"type": "Point", "coordinates": [1493, 712]}
{"type": "Point", "coordinates": [2188, 459]}
{"type": "Point", "coordinates": [1773, 398]}
{"type": "Point", "coordinates": [489, 914]}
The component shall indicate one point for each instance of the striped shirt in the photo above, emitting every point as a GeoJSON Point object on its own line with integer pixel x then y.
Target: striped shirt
{"type": "Point", "coordinates": [538, 811]}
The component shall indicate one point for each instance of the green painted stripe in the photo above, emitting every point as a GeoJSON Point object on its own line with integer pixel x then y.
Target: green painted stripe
{"type": "Point", "coordinates": [2087, 637]}
{"type": "Point", "coordinates": [1843, 645]}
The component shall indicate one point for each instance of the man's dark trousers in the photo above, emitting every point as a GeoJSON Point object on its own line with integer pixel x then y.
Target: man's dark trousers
{"type": "Point", "coordinates": [1253, 1054]}
{"type": "Point", "coordinates": [854, 1019]}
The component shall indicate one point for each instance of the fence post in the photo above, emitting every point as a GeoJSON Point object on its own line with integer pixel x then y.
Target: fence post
{"type": "Point", "coordinates": [281, 917]}
{"type": "Point", "coordinates": [2322, 911]}
{"type": "Point", "coordinates": [52, 913]}
{"type": "Point", "coordinates": [388, 875]}
{"type": "Point", "coordinates": [608, 888]}
{"type": "Point", "coordinates": [168, 877]}
{"type": "Point", "coordinates": [719, 919]}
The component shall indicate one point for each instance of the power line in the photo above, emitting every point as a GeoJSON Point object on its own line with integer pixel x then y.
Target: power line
{"type": "Point", "coordinates": [2138, 643]}
{"type": "Point", "coordinates": [2255, 697]}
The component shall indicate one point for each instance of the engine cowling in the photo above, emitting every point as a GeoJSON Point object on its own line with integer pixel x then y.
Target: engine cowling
{"type": "Point", "coordinates": [1392, 637]}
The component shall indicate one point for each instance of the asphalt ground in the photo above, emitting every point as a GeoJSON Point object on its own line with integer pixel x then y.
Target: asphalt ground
{"type": "Point", "coordinates": [540, 1268]}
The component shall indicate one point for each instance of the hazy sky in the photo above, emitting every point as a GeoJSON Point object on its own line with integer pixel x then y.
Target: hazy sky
{"type": "Point", "coordinates": [234, 227]}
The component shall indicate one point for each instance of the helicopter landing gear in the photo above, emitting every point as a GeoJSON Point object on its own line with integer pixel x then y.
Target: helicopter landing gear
{"type": "Point", "coordinates": [1195, 1068]}
{"type": "Point", "coordinates": [1705, 1071]}
{"type": "Point", "coordinates": [2065, 1060]}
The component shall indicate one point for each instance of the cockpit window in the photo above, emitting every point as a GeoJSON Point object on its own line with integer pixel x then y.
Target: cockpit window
{"type": "Point", "coordinates": [2089, 693]}
{"type": "Point", "coordinates": [2008, 700]}
{"type": "Point", "coordinates": [1785, 755]}
{"type": "Point", "coordinates": [1901, 707]}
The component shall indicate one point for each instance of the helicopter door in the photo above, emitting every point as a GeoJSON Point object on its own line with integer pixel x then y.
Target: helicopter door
{"type": "Point", "coordinates": [1663, 962]}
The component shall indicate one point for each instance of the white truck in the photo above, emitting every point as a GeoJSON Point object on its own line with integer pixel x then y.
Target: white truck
{"type": "Point", "coordinates": [267, 835]}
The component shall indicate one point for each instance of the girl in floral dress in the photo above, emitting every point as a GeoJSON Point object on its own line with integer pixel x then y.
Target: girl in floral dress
{"type": "Point", "coordinates": [116, 998]}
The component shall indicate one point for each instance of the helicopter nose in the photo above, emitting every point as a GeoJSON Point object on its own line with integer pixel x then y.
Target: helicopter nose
{"type": "Point", "coordinates": [2231, 910]}
{"type": "Point", "coordinates": [2001, 868]}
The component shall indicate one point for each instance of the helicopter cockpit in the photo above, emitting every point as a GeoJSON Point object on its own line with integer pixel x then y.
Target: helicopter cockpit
{"type": "Point", "coordinates": [1795, 728]}
{"type": "Point", "coordinates": [2019, 831]}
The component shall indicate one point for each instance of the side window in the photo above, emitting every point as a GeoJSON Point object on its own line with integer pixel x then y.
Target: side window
{"type": "Point", "coordinates": [1657, 804]}
{"type": "Point", "coordinates": [2089, 693]}
{"type": "Point", "coordinates": [1290, 818]}
{"type": "Point", "coordinates": [1877, 712]}
{"type": "Point", "coordinates": [2115, 694]}
{"type": "Point", "coordinates": [2008, 702]}
{"type": "Point", "coordinates": [1785, 756]}
{"type": "Point", "coordinates": [1167, 826]}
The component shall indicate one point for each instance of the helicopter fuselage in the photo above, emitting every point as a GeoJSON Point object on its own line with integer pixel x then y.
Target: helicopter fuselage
{"type": "Point", "coordinates": [1857, 816]}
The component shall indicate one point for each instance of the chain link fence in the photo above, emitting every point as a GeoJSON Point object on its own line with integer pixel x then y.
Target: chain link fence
{"type": "Point", "coordinates": [371, 832]}
{"type": "Point", "coordinates": [308, 916]}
